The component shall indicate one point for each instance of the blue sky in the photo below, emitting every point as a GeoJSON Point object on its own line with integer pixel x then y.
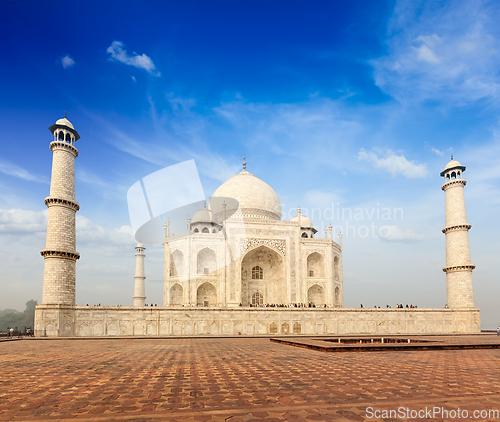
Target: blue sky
{"type": "Point", "coordinates": [355, 104]}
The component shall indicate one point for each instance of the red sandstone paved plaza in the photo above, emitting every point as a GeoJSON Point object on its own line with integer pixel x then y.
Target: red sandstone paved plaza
{"type": "Point", "coordinates": [235, 379]}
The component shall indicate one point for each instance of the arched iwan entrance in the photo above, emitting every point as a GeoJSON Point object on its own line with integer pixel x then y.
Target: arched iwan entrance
{"type": "Point", "coordinates": [263, 272]}
{"type": "Point", "coordinates": [315, 295]}
{"type": "Point", "coordinates": [206, 295]}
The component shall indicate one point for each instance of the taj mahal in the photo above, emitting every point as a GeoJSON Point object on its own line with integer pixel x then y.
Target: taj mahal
{"type": "Point", "coordinates": [238, 251]}
{"type": "Point", "coordinates": [240, 270]}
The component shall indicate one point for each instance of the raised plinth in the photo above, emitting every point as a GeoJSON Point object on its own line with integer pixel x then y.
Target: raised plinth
{"type": "Point", "coordinates": [101, 321]}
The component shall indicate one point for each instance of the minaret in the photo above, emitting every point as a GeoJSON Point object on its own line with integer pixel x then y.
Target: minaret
{"type": "Point", "coordinates": [139, 291]}
{"type": "Point", "coordinates": [60, 249]}
{"type": "Point", "coordinates": [458, 265]}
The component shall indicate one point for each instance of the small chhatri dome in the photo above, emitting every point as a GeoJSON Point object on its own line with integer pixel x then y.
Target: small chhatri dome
{"type": "Point", "coordinates": [304, 221]}
{"type": "Point", "coordinates": [140, 246]}
{"type": "Point", "coordinates": [452, 164]}
{"type": "Point", "coordinates": [64, 123]}
{"type": "Point", "coordinates": [203, 216]}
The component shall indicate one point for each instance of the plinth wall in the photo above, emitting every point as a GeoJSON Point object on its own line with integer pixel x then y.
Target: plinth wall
{"type": "Point", "coordinates": [104, 321]}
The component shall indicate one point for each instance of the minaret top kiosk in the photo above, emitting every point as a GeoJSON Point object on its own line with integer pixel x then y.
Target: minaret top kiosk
{"type": "Point", "coordinates": [458, 268]}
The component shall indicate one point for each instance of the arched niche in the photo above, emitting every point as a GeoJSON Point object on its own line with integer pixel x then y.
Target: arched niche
{"type": "Point", "coordinates": [206, 295]}
{"type": "Point", "coordinates": [315, 265]}
{"type": "Point", "coordinates": [315, 295]}
{"type": "Point", "coordinates": [206, 261]}
{"type": "Point", "coordinates": [177, 264]}
{"type": "Point", "coordinates": [176, 294]}
{"type": "Point", "coordinates": [336, 268]}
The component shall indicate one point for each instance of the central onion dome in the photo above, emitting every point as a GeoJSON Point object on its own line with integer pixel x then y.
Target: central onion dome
{"type": "Point", "coordinates": [255, 197]}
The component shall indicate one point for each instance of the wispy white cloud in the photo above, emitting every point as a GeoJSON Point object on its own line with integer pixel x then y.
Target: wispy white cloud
{"type": "Point", "coordinates": [398, 234]}
{"type": "Point", "coordinates": [91, 233]}
{"type": "Point", "coordinates": [16, 171]}
{"type": "Point", "coordinates": [441, 51]}
{"type": "Point", "coordinates": [67, 61]}
{"type": "Point", "coordinates": [437, 152]}
{"type": "Point", "coordinates": [105, 188]}
{"type": "Point", "coordinates": [23, 222]}
{"type": "Point", "coordinates": [394, 164]}
{"type": "Point", "coordinates": [178, 103]}
{"type": "Point", "coordinates": [118, 53]}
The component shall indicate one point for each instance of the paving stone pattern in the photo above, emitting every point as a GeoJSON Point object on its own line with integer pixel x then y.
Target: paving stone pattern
{"type": "Point", "coordinates": [233, 379]}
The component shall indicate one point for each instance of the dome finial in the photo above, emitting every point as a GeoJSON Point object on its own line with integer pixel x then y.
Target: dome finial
{"type": "Point", "coordinates": [65, 114]}
{"type": "Point", "coordinates": [244, 162]}
{"type": "Point", "coordinates": [204, 204]}
{"type": "Point", "coordinates": [451, 157]}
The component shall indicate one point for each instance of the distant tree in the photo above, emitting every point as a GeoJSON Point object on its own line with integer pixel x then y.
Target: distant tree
{"type": "Point", "coordinates": [13, 318]}
{"type": "Point", "coordinates": [29, 314]}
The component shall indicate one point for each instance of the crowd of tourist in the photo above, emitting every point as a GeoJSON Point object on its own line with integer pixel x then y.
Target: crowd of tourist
{"type": "Point", "coordinates": [291, 305]}
{"type": "Point", "coordinates": [398, 305]}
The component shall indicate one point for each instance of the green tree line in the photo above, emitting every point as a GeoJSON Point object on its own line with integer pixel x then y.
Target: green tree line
{"type": "Point", "coordinates": [20, 320]}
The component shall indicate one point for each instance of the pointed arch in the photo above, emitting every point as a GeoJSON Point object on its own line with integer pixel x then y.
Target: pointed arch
{"type": "Point", "coordinates": [176, 294]}
{"type": "Point", "coordinates": [206, 261]}
{"type": "Point", "coordinates": [336, 269]}
{"type": "Point", "coordinates": [263, 271]}
{"type": "Point", "coordinates": [315, 295]}
{"type": "Point", "coordinates": [177, 264]}
{"type": "Point", "coordinates": [206, 295]}
{"type": "Point", "coordinates": [315, 265]}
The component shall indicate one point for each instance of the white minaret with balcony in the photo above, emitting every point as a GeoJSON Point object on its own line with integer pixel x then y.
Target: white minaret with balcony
{"type": "Point", "coordinates": [60, 249]}
{"type": "Point", "coordinates": [139, 290]}
{"type": "Point", "coordinates": [458, 263]}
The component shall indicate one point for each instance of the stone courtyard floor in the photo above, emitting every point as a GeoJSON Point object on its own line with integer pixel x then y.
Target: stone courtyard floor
{"type": "Point", "coordinates": [240, 379]}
